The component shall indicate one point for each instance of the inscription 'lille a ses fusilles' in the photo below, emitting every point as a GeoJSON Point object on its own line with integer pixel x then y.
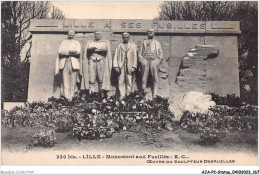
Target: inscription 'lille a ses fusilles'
{"type": "Point", "coordinates": [160, 25]}
{"type": "Point", "coordinates": [138, 25]}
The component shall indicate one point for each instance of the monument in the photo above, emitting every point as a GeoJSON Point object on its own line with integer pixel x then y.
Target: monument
{"type": "Point", "coordinates": [178, 39]}
{"type": "Point", "coordinates": [67, 65]}
{"type": "Point", "coordinates": [150, 57]}
{"type": "Point", "coordinates": [96, 65]}
{"type": "Point", "coordinates": [125, 65]}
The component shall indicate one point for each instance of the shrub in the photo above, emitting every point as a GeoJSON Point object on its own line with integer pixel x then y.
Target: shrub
{"type": "Point", "coordinates": [229, 100]}
{"type": "Point", "coordinates": [213, 126]}
{"type": "Point", "coordinates": [44, 138]}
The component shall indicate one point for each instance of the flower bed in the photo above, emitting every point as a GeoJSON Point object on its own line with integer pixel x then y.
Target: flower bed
{"type": "Point", "coordinates": [213, 126]}
{"type": "Point", "coordinates": [90, 117]}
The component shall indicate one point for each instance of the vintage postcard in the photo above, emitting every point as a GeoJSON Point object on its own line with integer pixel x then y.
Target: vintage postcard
{"type": "Point", "coordinates": [161, 83]}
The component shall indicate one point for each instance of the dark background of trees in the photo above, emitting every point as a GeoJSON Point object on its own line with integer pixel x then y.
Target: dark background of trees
{"type": "Point", "coordinates": [16, 44]}
{"type": "Point", "coordinates": [16, 38]}
{"type": "Point", "coordinates": [244, 11]}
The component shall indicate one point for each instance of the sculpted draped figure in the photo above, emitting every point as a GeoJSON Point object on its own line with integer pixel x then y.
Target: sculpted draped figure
{"type": "Point", "coordinates": [125, 64]}
{"type": "Point", "coordinates": [96, 65]}
{"type": "Point", "coordinates": [67, 65]}
{"type": "Point", "coordinates": [150, 56]}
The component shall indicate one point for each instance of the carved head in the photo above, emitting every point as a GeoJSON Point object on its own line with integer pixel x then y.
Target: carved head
{"type": "Point", "coordinates": [150, 32]}
{"type": "Point", "coordinates": [71, 34]}
{"type": "Point", "coordinates": [125, 37]}
{"type": "Point", "coordinates": [97, 35]}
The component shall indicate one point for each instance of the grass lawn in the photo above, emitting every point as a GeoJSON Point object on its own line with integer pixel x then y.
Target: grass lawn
{"type": "Point", "coordinates": [17, 139]}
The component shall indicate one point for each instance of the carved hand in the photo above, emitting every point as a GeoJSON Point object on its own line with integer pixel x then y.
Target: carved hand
{"type": "Point", "coordinates": [92, 48]}
{"type": "Point", "coordinates": [117, 70]}
{"type": "Point", "coordinates": [133, 70]}
{"type": "Point", "coordinates": [160, 60]}
{"type": "Point", "coordinates": [73, 52]}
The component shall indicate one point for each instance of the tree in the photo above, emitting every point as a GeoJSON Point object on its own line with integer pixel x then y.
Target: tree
{"type": "Point", "coordinates": [196, 10]}
{"type": "Point", "coordinates": [16, 41]}
{"type": "Point", "coordinates": [244, 11]}
{"type": "Point", "coordinates": [56, 13]}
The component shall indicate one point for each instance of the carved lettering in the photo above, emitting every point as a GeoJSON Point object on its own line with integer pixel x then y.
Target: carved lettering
{"type": "Point", "coordinates": [186, 26]}
{"type": "Point", "coordinates": [83, 25]}
{"type": "Point", "coordinates": [67, 24]}
{"type": "Point", "coordinates": [91, 25]}
{"type": "Point", "coordinates": [107, 25]}
{"type": "Point", "coordinates": [168, 25]}
{"type": "Point", "coordinates": [154, 24]}
{"type": "Point", "coordinates": [180, 26]}
{"type": "Point", "coordinates": [77, 24]}
{"type": "Point", "coordinates": [161, 25]}
{"type": "Point", "coordinates": [202, 26]}
{"type": "Point", "coordinates": [123, 25]}
{"type": "Point", "coordinates": [135, 24]}
{"type": "Point", "coordinates": [194, 26]}
{"type": "Point", "coordinates": [174, 25]}
{"type": "Point", "coordinates": [138, 25]}
{"type": "Point", "coordinates": [131, 25]}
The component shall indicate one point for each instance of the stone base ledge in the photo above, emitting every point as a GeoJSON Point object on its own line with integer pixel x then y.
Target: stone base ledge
{"type": "Point", "coordinates": [10, 105]}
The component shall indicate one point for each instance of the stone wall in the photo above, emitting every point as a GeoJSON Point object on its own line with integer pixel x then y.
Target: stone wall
{"type": "Point", "coordinates": [193, 71]}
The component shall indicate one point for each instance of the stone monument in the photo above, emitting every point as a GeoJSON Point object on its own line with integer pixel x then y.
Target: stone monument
{"type": "Point", "coordinates": [67, 65]}
{"type": "Point", "coordinates": [125, 65]}
{"type": "Point", "coordinates": [150, 57]}
{"type": "Point", "coordinates": [177, 38]}
{"type": "Point", "coordinates": [96, 65]}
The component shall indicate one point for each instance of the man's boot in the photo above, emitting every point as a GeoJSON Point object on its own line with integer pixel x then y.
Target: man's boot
{"type": "Point", "coordinates": [91, 88]}
{"type": "Point", "coordinates": [102, 94]}
{"type": "Point", "coordinates": [155, 90]}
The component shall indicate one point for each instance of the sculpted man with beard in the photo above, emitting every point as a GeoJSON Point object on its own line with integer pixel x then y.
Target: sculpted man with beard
{"type": "Point", "coordinates": [67, 65]}
{"type": "Point", "coordinates": [96, 65]}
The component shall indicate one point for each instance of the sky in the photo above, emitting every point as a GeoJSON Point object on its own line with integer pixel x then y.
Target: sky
{"type": "Point", "coordinates": [109, 10]}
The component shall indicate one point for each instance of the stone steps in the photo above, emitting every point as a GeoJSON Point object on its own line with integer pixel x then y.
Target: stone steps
{"type": "Point", "coordinates": [195, 72]}
{"type": "Point", "coordinates": [191, 76]}
{"type": "Point", "coordinates": [197, 57]}
{"type": "Point", "coordinates": [194, 64]}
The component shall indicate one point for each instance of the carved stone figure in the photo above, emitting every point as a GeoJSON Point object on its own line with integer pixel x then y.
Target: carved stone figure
{"type": "Point", "coordinates": [125, 64]}
{"type": "Point", "coordinates": [150, 56]}
{"type": "Point", "coordinates": [96, 65]}
{"type": "Point", "coordinates": [67, 65]}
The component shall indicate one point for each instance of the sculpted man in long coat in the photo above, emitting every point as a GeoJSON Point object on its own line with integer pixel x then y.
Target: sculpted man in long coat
{"type": "Point", "coordinates": [67, 65]}
{"type": "Point", "coordinates": [96, 65]}
{"type": "Point", "coordinates": [150, 56]}
{"type": "Point", "coordinates": [125, 64]}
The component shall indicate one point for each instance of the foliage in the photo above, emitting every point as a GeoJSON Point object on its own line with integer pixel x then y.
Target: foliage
{"type": "Point", "coordinates": [101, 120]}
{"type": "Point", "coordinates": [44, 138]}
{"type": "Point", "coordinates": [15, 78]}
{"type": "Point", "coordinates": [230, 100]}
{"type": "Point", "coordinates": [38, 114]}
{"type": "Point", "coordinates": [15, 22]}
{"type": "Point", "coordinates": [17, 117]}
{"type": "Point", "coordinates": [201, 11]}
{"type": "Point", "coordinates": [213, 126]}
{"type": "Point", "coordinates": [211, 135]}
{"type": "Point", "coordinates": [244, 11]}
{"type": "Point", "coordinates": [90, 118]}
